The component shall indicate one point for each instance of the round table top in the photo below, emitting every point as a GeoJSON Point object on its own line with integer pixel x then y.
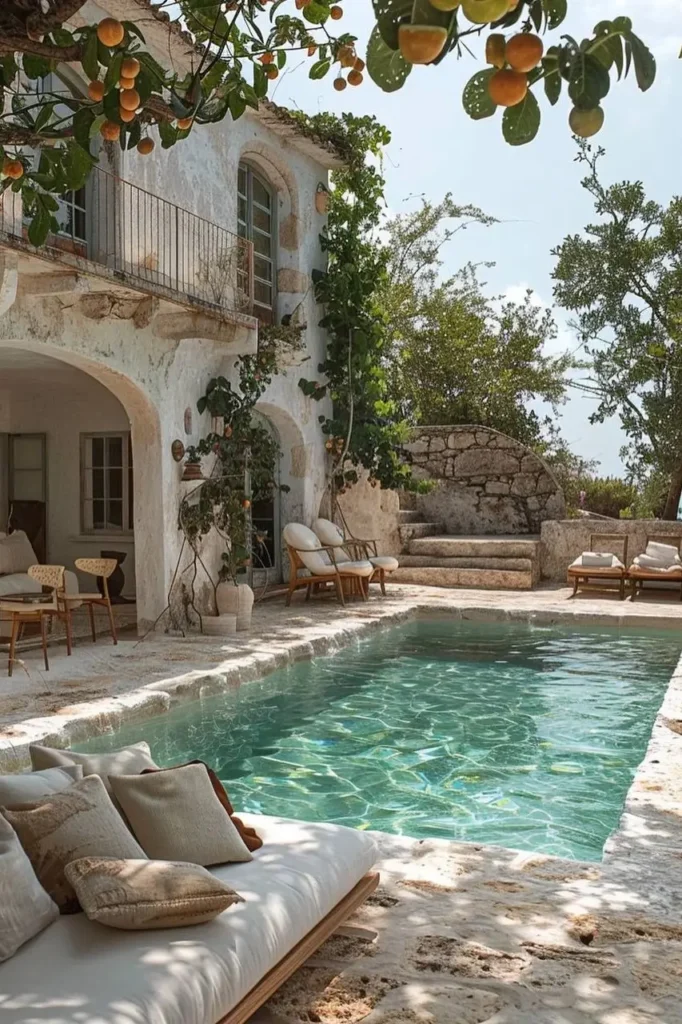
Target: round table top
{"type": "Point", "coordinates": [32, 598]}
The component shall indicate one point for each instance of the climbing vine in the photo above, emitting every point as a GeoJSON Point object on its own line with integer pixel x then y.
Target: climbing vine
{"type": "Point", "coordinates": [365, 430]}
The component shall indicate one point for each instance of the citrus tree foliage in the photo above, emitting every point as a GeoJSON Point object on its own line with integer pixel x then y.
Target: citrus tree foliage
{"type": "Point", "coordinates": [365, 429]}
{"type": "Point", "coordinates": [623, 278]}
{"type": "Point", "coordinates": [520, 63]}
{"type": "Point", "coordinates": [49, 136]}
{"type": "Point", "coordinates": [458, 356]}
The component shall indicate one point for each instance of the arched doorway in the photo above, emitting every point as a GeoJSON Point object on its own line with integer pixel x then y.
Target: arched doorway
{"type": "Point", "coordinates": [80, 466]}
{"type": "Point", "coordinates": [266, 513]}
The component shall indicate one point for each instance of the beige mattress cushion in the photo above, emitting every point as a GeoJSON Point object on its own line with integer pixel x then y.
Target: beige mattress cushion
{"type": "Point", "coordinates": [94, 975]}
{"type": "Point", "coordinates": [16, 553]}
{"type": "Point", "coordinates": [25, 907]}
{"type": "Point", "coordinates": [127, 761]}
{"type": "Point", "coordinates": [139, 894]}
{"type": "Point", "coordinates": [177, 816]}
{"type": "Point", "coordinates": [79, 822]}
{"type": "Point", "coordinates": [17, 790]}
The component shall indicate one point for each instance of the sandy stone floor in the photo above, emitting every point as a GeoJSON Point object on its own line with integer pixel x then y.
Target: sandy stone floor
{"type": "Point", "coordinates": [457, 933]}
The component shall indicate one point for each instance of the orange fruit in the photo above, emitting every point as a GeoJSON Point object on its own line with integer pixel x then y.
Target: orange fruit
{"type": "Point", "coordinates": [340, 84]}
{"type": "Point", "coordinates": [130, 68]}
{"type": "Point", "coordinates": [126, 83]}
{"type": "Point", "coordinates": [312, 49]}
{"type": "Point", "coordinates": [496, 50]}
{"type": "Point", "coordinates": [524, 51]}
{"type": "Point", "coordinates": [129, 99]}
{"type": "Point", "coordinates": [267, 58]}
{"type": "Point", "coordinates": [346, 56]}
{"type": "Point", "coordinates": [421, 44]}
{"type": "Point", "coordinates": [12, 168]}
{"type": "Point", "coordinates": [96, 91]}
{"type": "Point", "coordinates": [184, 123]}
{"type": "Point", "coordinates": [271, 71]}
{"type": "Point", "coordinates": [359, 64]}
{"type": "Point", "coordinates": [507, 88]}
{"type": "Point", "coordinates": [355, 77]}
{"type": "Point", "coordinates": [246, 503]}
{"type": "Point", "coordinates": [336, 13]}
{"type": "Point", "coordinates": [110, 131]}
{"type": "Point", "coordinates": [110, 32]}
{"type": "Point", "coordinates": [585, 123]}
{"type": "Point", "coordinates": [145, 146]}
{"type": "Point", "coordinates": [126, 115]}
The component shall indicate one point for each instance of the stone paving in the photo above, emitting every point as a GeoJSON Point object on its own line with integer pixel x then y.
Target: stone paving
{"type": "Point", "coordinates": [457, 933]}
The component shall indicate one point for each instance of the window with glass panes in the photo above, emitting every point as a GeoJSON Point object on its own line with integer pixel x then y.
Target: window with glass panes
{"type": "Point", "coordinates": [106, 483]}
{"type": "Point", "coordinates": [72, 210]}
{"type": "Point", "coordinates": [256, 221]}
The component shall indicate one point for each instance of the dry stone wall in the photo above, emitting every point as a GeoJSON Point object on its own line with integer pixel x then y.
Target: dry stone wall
{"type": "Point", "coordinates": [487, 483]}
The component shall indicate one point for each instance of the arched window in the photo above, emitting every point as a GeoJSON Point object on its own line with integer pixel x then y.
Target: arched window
{"type": "Point", "coordinates": [256, 221]}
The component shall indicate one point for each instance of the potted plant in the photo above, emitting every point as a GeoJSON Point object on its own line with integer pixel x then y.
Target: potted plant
{"type": "Point", "coordinates": [192, 470]}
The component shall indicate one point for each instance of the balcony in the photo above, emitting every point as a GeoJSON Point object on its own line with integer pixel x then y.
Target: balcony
{"type": "Point", "coordinates": [115, 230]}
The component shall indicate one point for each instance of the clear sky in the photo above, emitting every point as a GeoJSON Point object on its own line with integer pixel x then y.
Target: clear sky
{"type": "Point", "coordinates": [534, 190]}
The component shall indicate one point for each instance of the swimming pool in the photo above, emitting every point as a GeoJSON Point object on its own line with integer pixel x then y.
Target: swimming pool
{"type": "Point", "coordinates": [523, 736]}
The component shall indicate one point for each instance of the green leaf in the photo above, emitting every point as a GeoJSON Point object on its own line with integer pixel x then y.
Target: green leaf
{"type": "Point", "coordinates": [113, 72]}
{"type": "Point", "coordinates": [39, 228]}
{"type": "Point", "coordinates": [132, 135]}
{"type": "Point", "coordinates": [168, 134]}
{"type": "Point", "coordinates": [644, 63]}
{"type": "Point", "coordinates": [82, 122]}
{"type": "Point", "coordinates": [35, 67]}
{"type": "Point", "coordinates": [476, 98]}
{"type": "Point", "coordinates": [62, 37]}
{"type": "Point", "coordinates": [237, 105]}
{"type": "Point", "coordinates": [589, 82]}
{"type": "Point", "coordinates": [386, 67]}
{"type": "Point", "coordinates": [44, 115]}
{"type": "Point", "coordinates": [536, 13]}
{"type": "Point", "coordinates": [250, 96]}
{"type": "Point", "coordinates": [260, 82]}
{"type": "Point", "coordinates": [96, 125]}
{"type": "Point", "coordinates": [133, 30]}
{"type": "Point", "coordinates": [319, 69]}
{"type": "Point", "coordinates": [110, 104]}
{"type": "Point", "coordinates": [389, 15]}
{"type": "Point", "coordinates": [77, 166]}
{"type": "Point", "coordinates": [143, 84]}
{"type": "Point", "coordinates": [521, 123]}
{"type": "Point", "coordinates": [153, 67]}
{"type": "Point", "coordinates": [552, 79]}
{"type": "Point", "coordinates": [316, 12]}
{"type": "Point", "coordinates": [89, 60]}
{"type": "Point", "coordinates": [555, 12]}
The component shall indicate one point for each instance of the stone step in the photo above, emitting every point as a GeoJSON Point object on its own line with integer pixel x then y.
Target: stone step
{"type": "Point", "coordinates": [497, 564]}
{"type": "Point", "coordinates": [411, 531]}
{"type": "Point", "coordinates": [444, 546]}
{"type": "Point", "coordinates": [479, 579]}
{"type": "Point", "coordinates": [409, 515]}
{"type": "Point", "coordinates": [408, 500]}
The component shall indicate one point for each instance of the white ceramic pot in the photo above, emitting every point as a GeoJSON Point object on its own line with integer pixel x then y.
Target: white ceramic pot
{"type": "Point", "coordinates": [235, 600]}
{"type": "Point", "coordinates": [219, 625]}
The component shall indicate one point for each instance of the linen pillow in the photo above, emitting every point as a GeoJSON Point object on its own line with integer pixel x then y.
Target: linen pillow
{"type": "Point", "coordinates": [140, 894]}
{"type": "Point", "coordinates": [79, 822]}
{"type": "Point", "coordinates": [126, 761]}
{"type": "Point", "coordinates": [16, 790]}
{"type": "Point", "coordinates": [177, 816]}
{"type": "Point", "coordinates": [249, 836]}
{"type": "Point", "coordinates": [25, 907]}
{"type": "Point", "coordinates": [16, 553]}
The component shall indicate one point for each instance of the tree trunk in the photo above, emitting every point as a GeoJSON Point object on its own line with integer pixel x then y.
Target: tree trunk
{"type": "Point", "coordinates": [672, 502]}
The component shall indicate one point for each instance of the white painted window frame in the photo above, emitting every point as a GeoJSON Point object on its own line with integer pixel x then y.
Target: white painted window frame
{"type": "Point", "coordinates": [247, 229]}
{"type": "Point", "coordinates": [87, 529]}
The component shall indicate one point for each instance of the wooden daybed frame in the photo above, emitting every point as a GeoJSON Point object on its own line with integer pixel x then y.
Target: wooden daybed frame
{"type": "Point", "coordinates": [313, 582]}
{"type": "Point", "coordinates": [297, 956]}
{"type": "Point", "coordinates": [639, 576]}
{"type": "Point", "coordinates": [581, 575]}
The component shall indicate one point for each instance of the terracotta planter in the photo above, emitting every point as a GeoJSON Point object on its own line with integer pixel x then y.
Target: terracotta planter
{"type": "Point", "coordinates": [192, 471]}
{"type": "Point", "coordinates": [235, 600]}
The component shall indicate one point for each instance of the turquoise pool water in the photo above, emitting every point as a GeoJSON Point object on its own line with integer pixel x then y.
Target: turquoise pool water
{"type": "Point", "coordinates": [522, 736]}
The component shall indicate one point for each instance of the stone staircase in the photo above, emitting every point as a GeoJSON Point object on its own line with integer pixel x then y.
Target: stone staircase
{"type": "Point", "coordinates": [433, 558]}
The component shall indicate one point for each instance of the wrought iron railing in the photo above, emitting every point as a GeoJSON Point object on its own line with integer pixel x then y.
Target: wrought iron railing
{"type": "Point", "coordinates": [145, 240]}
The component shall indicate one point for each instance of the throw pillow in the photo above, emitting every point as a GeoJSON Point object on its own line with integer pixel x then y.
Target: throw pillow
{"type": "Point", "coordinates": [137, 894]}
{"type": "Point", "coordinates": [177, 816]}
{"type": "Point", "coordinates": [16, 553]}
{"type": "Point", "coordinates": [17, 790]}
{"type": "Point", "coordinates": [127, 761]}
{"type": "Point", "coordinates": [79, 822]}
{"type": "Point", "coordinates": [25, 907]}
{"type": "Point", "coordinates": [249, 836]}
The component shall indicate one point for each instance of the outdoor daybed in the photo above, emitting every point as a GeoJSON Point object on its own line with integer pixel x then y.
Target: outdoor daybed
{"type": "Point", "coordinates": [300, 886]}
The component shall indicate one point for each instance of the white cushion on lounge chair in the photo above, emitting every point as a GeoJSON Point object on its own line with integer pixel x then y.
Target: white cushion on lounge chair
{"type": "Point", "coordinates": [361, 568]}
{"type": "Point", "coordinates": [329, 533]}
{"type": "Point", "coordinates": [298, 536]}
{"type": "Point", "coordinates": [385, 562]}
{"type": "Point", "coordinates": [649, 564]}
{"type": "Point", "coordinates": [596, 560]}
{"type": "Point", "coordinates": [662, 554]}
{"type": "Point", "coordinates": [79, 972]}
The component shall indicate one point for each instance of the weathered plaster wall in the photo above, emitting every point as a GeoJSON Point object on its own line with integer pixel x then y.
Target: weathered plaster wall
{"type": "Point", "coordinates": [487, 483]}
{"type": "Point", "coordinates": [33, 397]}
{"type": "Point", "coordinates": [562, 542]}
{"type": "Point", "coordinates": [372, 514]}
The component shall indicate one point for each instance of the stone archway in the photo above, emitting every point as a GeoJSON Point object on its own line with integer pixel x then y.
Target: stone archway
{"type": "Point", "coordinates": [145, 430]}
{"type": "Point", "coordinates": [299, 503]}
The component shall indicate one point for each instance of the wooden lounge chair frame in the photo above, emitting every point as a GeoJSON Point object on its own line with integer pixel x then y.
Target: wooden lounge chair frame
{"type": "Point", "coordinates": [368, 549]}
{"type": "Point", "coordinates": [294, 959]}
{"type": "Point", "coordinates": [314, 582]}
{"type": "Point", "coordinates": [581, 575]}
{"type": "Point", "coordinates": [639, 576]}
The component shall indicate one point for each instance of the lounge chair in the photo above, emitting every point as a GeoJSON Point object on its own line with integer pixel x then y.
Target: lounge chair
{"type": "Point", "coordinates": [661, 563]}
{"type": "Point", "coordinates": [330, 534]}
{"type": "Point", "coordinates": [600, 564]}
{"type": "Point", "coordinates": [319, 563]}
